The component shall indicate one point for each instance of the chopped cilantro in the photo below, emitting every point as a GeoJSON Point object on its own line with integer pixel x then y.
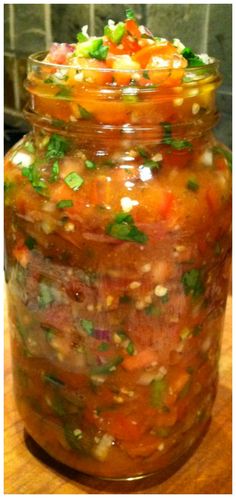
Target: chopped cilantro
{"type": "Point", "coordinates": [130, 14]}
{"type": "Point", "coordinates": [197, 330]}
{"type": "Point", "coordinates": [146, 75]}
{"type": "Point", "coordinates": [192, 185]}
{"type": "Point", "coordinates": [193, 59]}
{"type": "Point", "coordinates": [125, 299]}
{"type": "Point", "coordinates": [55, 172]}
{"type": "Point", "coordinates": [49, 80]}
{"type": "Point", "coordinates": [192, 282]}
{"type": "Point", "coordinates": [87, 326]}
{"type": "Point", "coordinates": [217, 249]}
{"type": "Point", "coordinates": [165, 298]}
{"type": "Point", "coordinates": [108, 367]}
{"type": "Point", "coordinates": [104, 346]}
{"type": "Point", "coordinates": [130, 348]}
{"type": "Point", "coordinates": [52, 379]}
{"type": "Point", "coordinates": [174, 142]}
{"type": "Point", "coordinates": [57, 146]}
{"type": "Point", "coordinates": [151, 164]}
{"type": "Point", "coordinates": [123, 228]}
{"type": "Point", "coordinates": [58, 123]}
{"type": "Point", "coordinates": [90, 164]}
{"type": "Point", "coordinates": [45, 295]}
{"type": "Point", "coordinates": [152, 310]}
{"type": "Point", "coordinates": [226, 153]}
{"type": "Point", "coordinates": [143, 153]}
{"type": "Point", "coordinates": [73, 180]}
{"type": "Point", "coordinates": [33, 175]}
{"type": "Point", "coordinates": [65, 203]}
{"type": "Point", "coordinates": [30, 242]}
{"type": "Point", "coordinates": [84, 113]}
{"type": "Point", "coordinates": [64, 92]}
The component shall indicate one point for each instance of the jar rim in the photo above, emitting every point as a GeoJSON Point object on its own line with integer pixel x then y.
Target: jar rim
{"type": "Point", "coordinates": [38, 58]}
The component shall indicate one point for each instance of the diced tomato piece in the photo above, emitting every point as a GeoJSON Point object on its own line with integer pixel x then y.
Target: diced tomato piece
{"type": "Point", "coordinates": [166, 205]}
{"type": "Point", "coordinates": [132, 28]}
{"type": "Point", "coordinates": [123, 427]}
{"type": "Point", "coordinates": [22, 255]}
{"type": "Point", "coordinates": [173, 158]}
{"type": "Point", "coordinates": [140, 360]}
{"type": "Point", "coordinates": [144, 55]}
{"type": "Point", "coordinates": [213, 199]}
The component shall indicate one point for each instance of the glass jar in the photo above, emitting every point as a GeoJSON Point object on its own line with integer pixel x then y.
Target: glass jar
{"type": "Point", "coordinates": [118, 219]}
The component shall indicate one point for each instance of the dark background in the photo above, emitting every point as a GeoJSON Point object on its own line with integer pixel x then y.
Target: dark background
{"type": "Point", "coordinates": [30, 28]}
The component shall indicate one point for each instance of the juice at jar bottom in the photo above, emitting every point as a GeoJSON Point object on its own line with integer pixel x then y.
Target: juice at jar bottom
{"type": "Point", "coordinates": [118, 243]}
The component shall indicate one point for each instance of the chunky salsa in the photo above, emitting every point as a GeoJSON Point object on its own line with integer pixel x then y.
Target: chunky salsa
{"type": "Point", "coordinates": [118, 246]}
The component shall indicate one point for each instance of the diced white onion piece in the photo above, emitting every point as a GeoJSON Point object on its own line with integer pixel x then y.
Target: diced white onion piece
{"type": "Point", "coordinates": [160, 291]}
{"type": "Point", "coordinates": [207, 158]}
{"type": "Point", "coordinates": [22, 159]}
{"type": "Point", "coordinates": [102, 449]}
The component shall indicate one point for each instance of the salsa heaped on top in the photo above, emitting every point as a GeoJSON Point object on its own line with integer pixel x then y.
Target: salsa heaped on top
{"type": "Point", "coordinates": [124, 47]}
{"type": "Point", "coordinates": [118, 237]}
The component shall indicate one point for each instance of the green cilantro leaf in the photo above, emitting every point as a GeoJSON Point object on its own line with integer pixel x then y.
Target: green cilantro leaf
{"type": "Point", "coordinates": [90, 164]}
{"type": "Point", "coordinates": [123, 228]}
{"type": "Point", "coordinates": [84, 113]}
{"type": "Point", "coordinates": [192, 282]}
{"type": "Point", "coordinates": [30, 242]}
{"type": "Point", "coordinates": [226, 153]}
{"type": "Point", "coordinates": [55, 172]}
{"type": "Point", "coordinates": [65, 203]}
{"type": "Point", "coordinates": [57, 147]}
{"type": "Point", "coordinates": [192, 185]}
{"type": "Point", "coordinates": [130, 14]}
{"type": "Point", "coordinates": [193, 59]}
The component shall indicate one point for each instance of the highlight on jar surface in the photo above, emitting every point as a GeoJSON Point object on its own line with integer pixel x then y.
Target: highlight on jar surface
{"type": "Point", "coordinates": [118, 245]}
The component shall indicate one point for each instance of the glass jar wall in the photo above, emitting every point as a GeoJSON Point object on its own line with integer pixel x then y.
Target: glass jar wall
{"type": "Point", "coordinates": [118, 218]}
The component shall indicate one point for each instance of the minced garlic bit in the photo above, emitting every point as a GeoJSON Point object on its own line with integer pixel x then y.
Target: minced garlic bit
{"type": "Point", "coordinates": [69, 227]}
{"type": "Point", "coordinates": [157, 157]}
{"type": "Point", "coordinates": [161, 447]}
{"type": "Point", "coordinates": [78, 433]}
{"type": "Point", "coordinates": [140, 305]}
{"type": "Point", "coordinates": [195, 108]}
{"type": "Point", "coordinates": [207, 158]}
{"type": "Point", "coordinates": [127, 204]}
{"type": "Point", "coordinates": [109, 300]}
{"type": "Point", "coordinates": [146, 267]}
{"type": "Point", "coordinates": [178, 102]}
{"type": "Point", "coordinates": [160, 291]}
{"type": "Point", "coordinates": [102, 449]}
{"type": "Point", "coordinates": [134, 285]}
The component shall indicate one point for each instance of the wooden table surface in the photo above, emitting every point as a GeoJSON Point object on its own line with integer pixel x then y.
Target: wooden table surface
{"type": "Point", "coordinates": [208, 471]}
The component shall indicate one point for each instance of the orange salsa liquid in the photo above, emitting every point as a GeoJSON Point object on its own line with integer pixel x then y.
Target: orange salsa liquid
{"type": "Point", "coordinates": [117, 294]}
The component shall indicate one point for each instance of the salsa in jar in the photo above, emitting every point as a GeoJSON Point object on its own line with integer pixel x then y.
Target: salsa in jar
{"type": "Point", "coordinates": [118, 242]}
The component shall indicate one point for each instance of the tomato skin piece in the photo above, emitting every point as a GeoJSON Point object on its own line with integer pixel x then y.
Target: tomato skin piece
{"type": "Point", "coordinates": [144, 55]}
{"type": "Point", "coordinates": [176, 158]}
{"type": "Point", "coordinates": [132, 28]}
{"type": "Point", "coordinates": [141, 360]}
{"type": "Point", "coordinates": [166, 206]}
{"type": "Point", "coordinates": [213, 199]}
{"type": "Point", "coordinates": [122, 427]}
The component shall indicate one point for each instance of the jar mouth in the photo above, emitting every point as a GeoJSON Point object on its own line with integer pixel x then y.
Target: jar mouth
{"type": "Point", "coordinates": [195, 73]}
